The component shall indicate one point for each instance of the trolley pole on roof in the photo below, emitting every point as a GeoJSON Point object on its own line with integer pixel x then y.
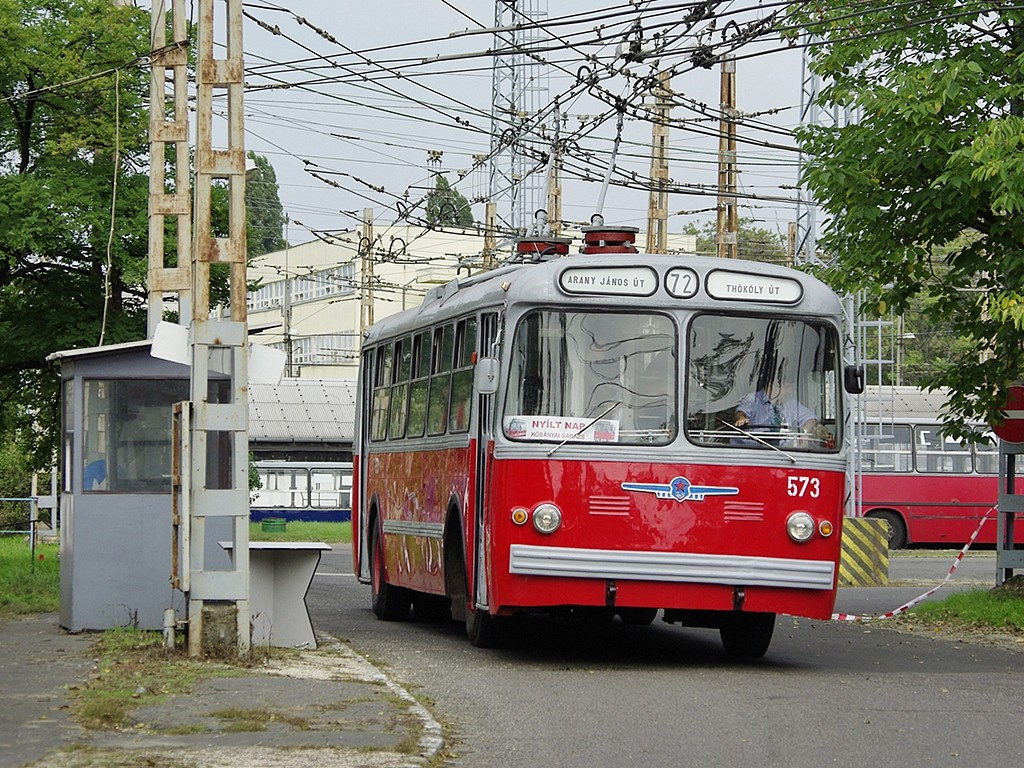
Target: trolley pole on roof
{"type": "Point", "coordinates": [218, 599]}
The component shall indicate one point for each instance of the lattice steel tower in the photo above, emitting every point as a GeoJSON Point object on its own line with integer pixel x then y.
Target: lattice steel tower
{"type": "Point", "coordinates": [520, 92]}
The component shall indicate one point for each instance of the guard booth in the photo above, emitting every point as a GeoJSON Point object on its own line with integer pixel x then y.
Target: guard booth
{"type": "Point", "coordinates": [115, 508]}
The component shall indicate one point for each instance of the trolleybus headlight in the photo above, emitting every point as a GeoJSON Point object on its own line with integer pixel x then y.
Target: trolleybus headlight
{"type": "Point", "coordinates": [547, 518]}
{"type": "Point", "coordinates": [825, 528]}
{"type": "Point", "coordinates": [800, 526]}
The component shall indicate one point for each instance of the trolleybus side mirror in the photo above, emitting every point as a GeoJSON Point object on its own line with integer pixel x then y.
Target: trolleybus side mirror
{"type": "Point", "coordinates": [485, 375]}
{"type": "Point", "coordinates": [853, 379]}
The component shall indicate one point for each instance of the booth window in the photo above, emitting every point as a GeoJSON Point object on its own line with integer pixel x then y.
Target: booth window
{"type": "Point", "coordinates": [126, 441]}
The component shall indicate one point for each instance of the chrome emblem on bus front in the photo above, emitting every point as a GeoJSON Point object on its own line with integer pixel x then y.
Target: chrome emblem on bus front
{"type": "Point", "coordinates": [681, 489]}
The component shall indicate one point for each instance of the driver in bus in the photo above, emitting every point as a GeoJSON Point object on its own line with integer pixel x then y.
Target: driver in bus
{"type": "Point", "coordinates": [775, 409]}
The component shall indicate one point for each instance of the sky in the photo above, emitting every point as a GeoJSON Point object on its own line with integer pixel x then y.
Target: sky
{"type": "Point", "coordinates": [351, 102]}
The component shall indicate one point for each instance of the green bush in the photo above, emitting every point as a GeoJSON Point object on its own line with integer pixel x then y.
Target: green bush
{"type": "Point", "coordinates": [16, 483]}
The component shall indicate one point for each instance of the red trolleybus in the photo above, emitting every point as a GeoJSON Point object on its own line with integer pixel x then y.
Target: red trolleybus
{"type": "Point", "coordinates": [564, 435]}
{"type": "Point", "coordinates": [930, 488]}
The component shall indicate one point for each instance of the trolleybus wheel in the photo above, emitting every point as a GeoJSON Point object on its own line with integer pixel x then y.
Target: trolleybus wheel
{"type": "Point", "coordinates": [389, 603]}
{"type": "Point", "coordinates": [485, 630]}
{"type": "Point", "coordinates": [482, 629]}
{"type": "Point", "coordinates": [747, 635]}
{"type": "Point", "coordinates": [897, 528]}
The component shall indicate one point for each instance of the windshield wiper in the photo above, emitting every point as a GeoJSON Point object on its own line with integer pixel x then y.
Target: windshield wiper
{"type": "Point", "coordinates": [586, 426]}
{"type": "Point", "coordinates": [755, 438]}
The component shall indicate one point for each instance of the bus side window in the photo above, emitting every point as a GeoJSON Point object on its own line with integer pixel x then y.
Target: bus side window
{"type": "Point", "coordinates": [938, 453]}
{"type": "Point", "coordinates": [400, 388]}
{"type": "Point", "coordinates": [420, 384]}
{"type": "Point", "coordinates": [462, 377]}
{"type": "Point", "coordinates": [440, 379]}
{"type": "Point", "coordinates": [324, 488]}
{"type": "Point", "coordinates": [986, 456]}
{"type": "Point", "coordinates": [381, 393]}
{"type": "Point", "coordinates": [887, 448]}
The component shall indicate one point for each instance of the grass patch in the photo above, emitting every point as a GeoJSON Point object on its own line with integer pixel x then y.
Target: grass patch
{"type": "Point", "coordinates": [135, 669]}
{"type": "Point", "coordinates": [241, 720]}
{"type": "Point", "coordinates": [32, 584]}
{"type": "Point", "coordinates": [975, 609]}
{"type": "Point", "coordinates": [28, 584]}
{"type": "Point", "coordinates": [329, 533]}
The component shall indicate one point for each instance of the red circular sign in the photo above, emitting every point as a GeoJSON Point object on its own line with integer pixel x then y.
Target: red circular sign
{"type": "Point", "coordinates": [1012, 429]}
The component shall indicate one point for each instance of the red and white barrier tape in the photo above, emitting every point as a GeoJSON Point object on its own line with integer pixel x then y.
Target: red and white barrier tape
{"type": "Point", "coordinates": [907, 606]}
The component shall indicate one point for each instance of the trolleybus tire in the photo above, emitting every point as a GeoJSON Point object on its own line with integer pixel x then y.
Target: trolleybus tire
{"type": "Point", "coordinates": [389, 603]}
{"type": "Point", "coordinates": [897, 528]}
{"type": "Point", "coordinates": [485, 630]}
{"type": "Point", "coordinates": [482, 629]}
{"type": "Point", "coordinates": [747, 635]}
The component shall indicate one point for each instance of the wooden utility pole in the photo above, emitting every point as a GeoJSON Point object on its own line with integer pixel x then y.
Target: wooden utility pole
{"type": "Point", "coordinates": [657, 206]}
{"type": "Point", "coordinates": [728, 223]}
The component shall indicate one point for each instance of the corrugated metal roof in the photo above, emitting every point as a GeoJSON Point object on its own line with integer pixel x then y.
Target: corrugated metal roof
{"type": "Point", "coordinates": [303, 411]}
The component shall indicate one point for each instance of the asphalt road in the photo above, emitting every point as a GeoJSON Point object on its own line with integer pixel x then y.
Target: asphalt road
{"type": "Point", "coordinates": [827, 693]}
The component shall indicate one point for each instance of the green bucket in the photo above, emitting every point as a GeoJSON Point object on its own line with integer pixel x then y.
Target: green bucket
{"type": "Point", "coordinates": [274, 525]}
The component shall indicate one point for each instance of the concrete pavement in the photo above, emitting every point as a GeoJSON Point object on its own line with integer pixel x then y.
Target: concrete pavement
{"type": "Point", "coordinates": [323, 707]}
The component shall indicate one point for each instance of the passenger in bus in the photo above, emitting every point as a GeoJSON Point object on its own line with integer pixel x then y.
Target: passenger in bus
{"type": "Point", "coordinates": [775, 409]}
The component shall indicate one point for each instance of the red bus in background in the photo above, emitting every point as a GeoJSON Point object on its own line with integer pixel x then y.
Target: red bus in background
{"type": "Point", "coordinates": [930, 488]}
{"type": "Point", "coordinates": [561, 436]}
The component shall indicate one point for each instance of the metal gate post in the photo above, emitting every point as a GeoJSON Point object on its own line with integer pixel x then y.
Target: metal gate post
{"type": "Point", "coordinates": [1011, 502]}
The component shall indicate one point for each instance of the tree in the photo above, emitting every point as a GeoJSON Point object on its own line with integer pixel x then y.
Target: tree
{"type": "Point", "coordinates": [72, 253]}
{"type": "Point", "coordinates": [447, 207]}
{"type": "Point", "coordinates": [264, 212]}
{"type": "Point", "coordinates": [923, 193]}
{"type": "Point", "coordinates": [74, 188]}
{"type": "Point", "coordinates": [753, 243]}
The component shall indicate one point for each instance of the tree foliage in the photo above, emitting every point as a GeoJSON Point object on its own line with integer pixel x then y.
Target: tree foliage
{"type": "Point", "coordinates": [74, 188]}
{"type": "Point", "coordinates": [264, 212]}
{"type": "Point", "coordinates": [753, 243]}
{"type": "Point", "coordinates": [923, 189]}
{"type": "Point", "coordinates": [72, 127]}
{"type": "Point", "coordinates": [447, 207]}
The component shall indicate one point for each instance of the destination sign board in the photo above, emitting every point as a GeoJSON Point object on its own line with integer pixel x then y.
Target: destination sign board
{"type": "Point", "coordinates": [744, 286]}
{"type": "Point", "coordinates": [609, 281]}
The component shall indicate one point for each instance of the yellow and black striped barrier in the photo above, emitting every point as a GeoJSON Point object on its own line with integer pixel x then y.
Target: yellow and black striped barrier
{"type": "Point", "coordinates": [864, 555]}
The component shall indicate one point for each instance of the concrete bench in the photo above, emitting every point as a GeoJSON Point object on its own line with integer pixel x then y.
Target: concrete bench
{"type": "Point", "coordinates": [280, 573]}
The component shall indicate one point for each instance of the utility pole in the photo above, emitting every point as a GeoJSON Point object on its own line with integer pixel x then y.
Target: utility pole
{"type": "Point", "coordinates": [657, 205]}
{"type": "Point", "coordinates": [490, 240]}
{"type": "Point", "coordinates": [168, 124]}
{"type": "Point", "coordinates": [287, 305]}
{"type": "Point", "coordinates": [555, 192]}
{"type": "Point", "coordinates": [366, 252]}
{"type": "Point", "coordinates": [728, 224]}
{"type": "Point", "coordinates": [217, 434]}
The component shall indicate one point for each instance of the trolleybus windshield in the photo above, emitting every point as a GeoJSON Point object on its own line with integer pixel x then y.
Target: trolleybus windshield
{"type": "Point", "coordinates": [593, 376]}
{"type": "Point", "coordinates": [763, 383]}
